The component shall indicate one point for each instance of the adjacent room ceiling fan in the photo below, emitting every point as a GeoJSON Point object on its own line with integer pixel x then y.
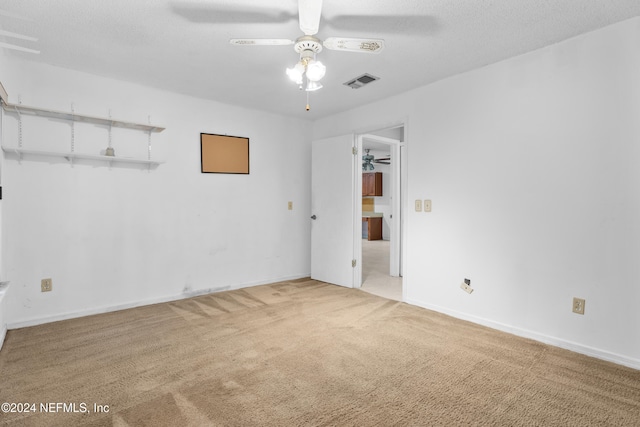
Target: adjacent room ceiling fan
{"type": "Point", "coordinates": [369, 159]}
{"type": "Point", "coordinates": [308, 46]}
{"type": "Point", "coordinates": [366, 161]}
{"type": "Point", "coordinates": [383, 160]}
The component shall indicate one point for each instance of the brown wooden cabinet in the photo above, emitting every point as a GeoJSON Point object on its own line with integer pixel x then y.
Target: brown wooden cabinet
{"type": "Point", "coordinates": [372, 184]}
{"type": "Point", "coordinates": [373, 228]}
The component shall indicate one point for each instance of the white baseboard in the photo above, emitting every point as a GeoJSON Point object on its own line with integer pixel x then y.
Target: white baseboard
{"type": "Point", "coordinates": [150, 301]}
{"type": "Point", "coordinates": [546, 339]}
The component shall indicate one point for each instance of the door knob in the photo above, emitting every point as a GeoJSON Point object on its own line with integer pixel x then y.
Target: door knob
{"type": "Point", "coordinates": [313, 217]}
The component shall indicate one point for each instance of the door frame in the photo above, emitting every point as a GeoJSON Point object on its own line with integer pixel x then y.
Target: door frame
{"type": "Point", "coordinates": [399, 207]}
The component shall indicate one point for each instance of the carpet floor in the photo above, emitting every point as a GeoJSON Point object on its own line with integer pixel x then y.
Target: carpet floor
{"type": "Point", "coordinates": [301, 353]}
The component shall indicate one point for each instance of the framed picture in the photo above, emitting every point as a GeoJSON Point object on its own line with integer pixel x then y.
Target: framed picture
{"type": "Point", "coordinates": [224, 154]}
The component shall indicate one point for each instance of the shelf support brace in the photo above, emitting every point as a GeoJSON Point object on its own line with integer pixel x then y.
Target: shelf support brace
{"type": "Point", "coordinates": [73, 134]}
{"type": "Point", "coordinates": [149, 144]}
{"type": "Point", "coordinates": [149, 140]}
{"type": "Point", "coordinates": [19, 126]}
{"type": "Point", "coordinates": [19, 153]}
{"type": "Point", "coordinates": [110, 128]}
{"type": "Point", "coordinates": [73, 130]}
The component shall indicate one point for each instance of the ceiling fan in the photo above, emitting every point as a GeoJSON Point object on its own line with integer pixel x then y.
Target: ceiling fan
{"type": "Point", "coordinates": [307, 46]}
{"type": "Point", "coordinates": [366, 161]}
{"type": "Point", "coordinates": [369, 159]}
{"type": "Point", "coordinates": [383, 160]}
{"type": "Point", "coordinates": [15, 35]}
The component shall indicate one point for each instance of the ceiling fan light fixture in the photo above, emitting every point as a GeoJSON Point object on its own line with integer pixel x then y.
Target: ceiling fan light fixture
{"type": "Point", "coordinates": [313, 86]}
{"type": "Point", "coordinates": [315, 70]}
{"type": "Point", "coordinates": [295, 73]}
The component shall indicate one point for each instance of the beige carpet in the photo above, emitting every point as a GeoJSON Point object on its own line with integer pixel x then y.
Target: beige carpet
{"type": "Point", "coordinates": [303, 353]}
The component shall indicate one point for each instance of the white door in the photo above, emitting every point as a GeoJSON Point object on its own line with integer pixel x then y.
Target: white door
{"type": "Point", "coordinates": [332, 209]}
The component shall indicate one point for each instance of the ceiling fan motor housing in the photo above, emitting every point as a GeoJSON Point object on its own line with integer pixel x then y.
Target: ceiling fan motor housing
{"type": "Point", "coordinates": [308, 43]}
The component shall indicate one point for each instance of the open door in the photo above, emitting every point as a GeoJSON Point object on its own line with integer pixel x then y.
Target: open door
{"type": "Point", "coordinates": [333, 183]}
{"type": "Point", "coordinates": [395, 217]}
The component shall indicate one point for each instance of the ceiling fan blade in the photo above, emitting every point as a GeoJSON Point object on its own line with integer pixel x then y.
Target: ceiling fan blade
{"type": "Point", "coordinates": [309, 12]}
{"type": "Point", "coordinates": [354, 45]}
{"type": "Point", "coordinates": [261, 42]}
{"type": "Point", "coordinates": [17, 36]}
{"type": "Point", "coordinates": [20, 48]}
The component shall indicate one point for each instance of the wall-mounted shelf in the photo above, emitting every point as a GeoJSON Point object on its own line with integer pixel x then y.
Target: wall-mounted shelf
{"type": "Point", "coordinates": [72, 156]}
{"type": "Point", "coordinates": [72, 116]}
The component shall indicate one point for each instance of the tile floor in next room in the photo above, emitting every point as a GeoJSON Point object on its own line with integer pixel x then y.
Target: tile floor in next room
{"type": "Point", "coordinates": [375, 271]}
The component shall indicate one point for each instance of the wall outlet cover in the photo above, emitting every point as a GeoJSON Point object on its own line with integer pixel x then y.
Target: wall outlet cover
{"type": "Point", "coordinates": [578, 305]}
{"type": "Point", "coordinates": [468, 289]}
{"type": "Point", "coordinates": [418, 205]}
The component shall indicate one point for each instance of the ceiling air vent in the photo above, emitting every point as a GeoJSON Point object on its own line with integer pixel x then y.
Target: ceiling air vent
{"type": "Point", "coordinates": [358, 82]}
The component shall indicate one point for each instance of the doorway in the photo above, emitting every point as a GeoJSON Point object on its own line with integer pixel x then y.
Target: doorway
{"type": "Point", "coordinates": [381, 258]}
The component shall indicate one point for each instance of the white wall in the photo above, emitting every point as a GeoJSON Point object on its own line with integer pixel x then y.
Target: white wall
{"type": "Point", "coordinates": [3, 66]}
{"type": "Point", "coordinates": [532, 167]}
{"type": "Point", "coordinates": [124, 236]}
{"type": "Point", "coordinates": [4, 290]}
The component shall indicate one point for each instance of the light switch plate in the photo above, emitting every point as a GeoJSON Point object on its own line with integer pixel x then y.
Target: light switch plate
{"type": "Point", "coordinates": [427, 205]}
{"type": "Point", "coordinates": [418, 205]}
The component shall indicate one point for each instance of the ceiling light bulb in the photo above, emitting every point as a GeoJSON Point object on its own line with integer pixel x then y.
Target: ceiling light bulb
{"type": "Point", "coordinates": [313, 86]}
{"type": "Point", "coordinates": [295, 73]}
{"type": "Point", "coordinates": [315, 70]}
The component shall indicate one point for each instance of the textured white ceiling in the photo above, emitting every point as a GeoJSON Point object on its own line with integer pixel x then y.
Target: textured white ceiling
{"type": "Point", "coordinates": [183, 45]}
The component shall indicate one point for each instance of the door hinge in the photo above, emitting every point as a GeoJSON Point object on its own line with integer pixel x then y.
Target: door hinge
{"type": "Point", "coordinates": [353, 263]}
{"type": "Point", "coordinates": [354, 150]}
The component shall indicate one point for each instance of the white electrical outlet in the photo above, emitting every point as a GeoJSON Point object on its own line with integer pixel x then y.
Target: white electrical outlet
{"type": "Point", "coordinates": [578, 305]}
{"type": "Point", "coordinates": [418, 205]}
{"type": "Point", "coordinates": [427, 205]}
{"type": "Point", "coordinates": [467, 288]}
